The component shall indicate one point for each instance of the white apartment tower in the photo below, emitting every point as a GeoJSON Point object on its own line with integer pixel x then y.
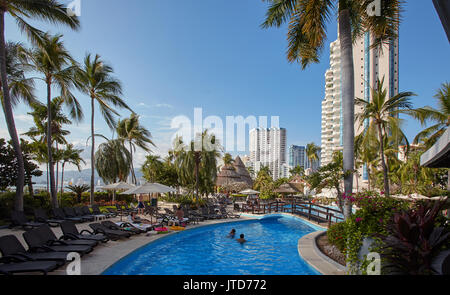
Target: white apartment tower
{"type": "Point", "coordinates": [268, 148]}
{"type": "Point", "coordinates": [369, 64]}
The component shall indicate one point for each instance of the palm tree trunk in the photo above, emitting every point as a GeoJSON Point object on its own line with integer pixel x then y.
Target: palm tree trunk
{"type": "Point", "coordinates": [383, 163]}
{"type": "Point", "coordinates": [92, 153]}
{"type": "Point", "coordinates": [133, 176]}
{"type": "Point", "coordinates": [9, 117]}
{"type": "Point", "coordinates": [57, 172]}
{"type": "Point", "coordinates": [348, 98]}
{"type": "Point", "coordinates": [197, 164]}
{"type": "Point", "coordinates": [62, 181]}
{"type": "Point", "coordinates": [53, 196]}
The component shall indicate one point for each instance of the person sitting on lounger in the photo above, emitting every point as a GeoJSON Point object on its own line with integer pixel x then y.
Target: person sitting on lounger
{"type": "Point", "coordinates": [241, 239]}
{"type": "Point", "coordinates": [132, 218]}
{"type": "Point", "coordinates": [232, 233]}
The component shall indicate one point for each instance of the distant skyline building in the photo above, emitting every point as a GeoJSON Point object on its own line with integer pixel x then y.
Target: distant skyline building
{"type": "Point", "coordinates": [268, 148]}
{"type": "Point", "coordinates": [297, 156]}
{"type": "Point", "coordinates": [370, 64]}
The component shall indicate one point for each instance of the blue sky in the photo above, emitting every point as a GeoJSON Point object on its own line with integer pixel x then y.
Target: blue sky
{"type": "Point", "coordinates": [174, 55]}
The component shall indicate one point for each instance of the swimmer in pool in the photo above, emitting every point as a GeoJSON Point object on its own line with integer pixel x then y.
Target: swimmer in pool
{"type": "Point", "coordinates": [232, 233]}
{"type": "Point", "coordinates": [241, 239]}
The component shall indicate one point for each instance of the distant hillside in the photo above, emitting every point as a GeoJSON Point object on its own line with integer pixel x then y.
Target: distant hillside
{"type": "Point", "coordinates": [83, 176]}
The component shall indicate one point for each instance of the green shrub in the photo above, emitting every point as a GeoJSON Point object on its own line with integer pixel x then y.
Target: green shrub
{"type": "Point", "coordinates": [371, 220]}
{"type": "Point", "coordinates": [337, 235]}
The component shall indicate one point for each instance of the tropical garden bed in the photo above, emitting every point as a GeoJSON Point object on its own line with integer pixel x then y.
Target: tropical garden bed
{"type": "Point", "coordinates": [330, 250]}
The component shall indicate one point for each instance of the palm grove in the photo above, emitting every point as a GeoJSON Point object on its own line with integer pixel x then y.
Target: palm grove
{"type": "Point", "coordinates": [50, 62]}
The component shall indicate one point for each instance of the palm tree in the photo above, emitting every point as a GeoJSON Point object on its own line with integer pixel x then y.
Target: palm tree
{"type": "Point", "coordinates": [136, 135]}
{"type": "Point", "coordinates": [202, 162]}
{"type": "Point", "coordinates": [151, 166]}
{"type": "Point", "coordinates": [78, 190]}
{"type": "Point", "coordinates": [70, 155]}
{"type": "Point", "coordinates": [440, 116]}
{"type": "Point", "coordinates": [57, 67]}
{"type": "Point", "coordinates": [306, 38]}
{"type": "Point", "coordinates": [227, 159]}
{"type": "Point", "coordinates": [17, 64]}
{"type": "Point", "coordinates": [20, 10]}
{"type": "Point", "coordinates": [95, 80]}
{"type": "Point", "coordinates": [382, 113]}
{"type": "Point", "coordinates": [112, 161]}
{"type": "Point", "coordinates": [312, 151]}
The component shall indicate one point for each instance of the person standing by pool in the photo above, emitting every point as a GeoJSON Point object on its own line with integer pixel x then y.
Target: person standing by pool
{"type": "Point", "coordinates": [141, 205]}
{"type": "Point", "coordinates": [242, 239]}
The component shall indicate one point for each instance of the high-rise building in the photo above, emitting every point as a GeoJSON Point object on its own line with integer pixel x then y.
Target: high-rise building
{"type": "Point", "coordinates": [268, 148]}
{"type": "Point", "coordinates": [370, 64]}
{"type": "Point", "coordinates": [297, 156]}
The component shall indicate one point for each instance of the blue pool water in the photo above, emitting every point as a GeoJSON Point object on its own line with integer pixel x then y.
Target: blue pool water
{"type": "Point", "coordinates": [271, 250]}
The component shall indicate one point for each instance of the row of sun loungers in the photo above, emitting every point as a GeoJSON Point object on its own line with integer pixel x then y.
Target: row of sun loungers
{"type": "Point", "coordinates": [47, 252]}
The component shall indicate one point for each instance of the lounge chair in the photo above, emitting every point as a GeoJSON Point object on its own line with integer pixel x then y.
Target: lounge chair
{"type": "Point", "coordinates": [79, 213]}
{"type": "Point", "coordinates": [124, 226]}
{"type": "Point", "coordinates": [86, 210]}
{"type": "Point", "coordinates": [212, 211]}
{"type": "Point", "coordinates": [49, 236]}
{"type": "Point", "coordinates": [58, 213]}
{"type": "Point", "coordinates": [70, 232]}
{"type": "Point", "coordinates": [36, 242]}
{"type": "Point", "coordinates": [110, 233]}
{"type": "Point", "coordinates": [205, 213]}
{"type": "Point", "coordinates": [41, 216]}
{"type": "Point", "coordinates": [18, 219]}
{"type": "Point", "coordinates": [10, 246]}
{"type": "Point", "coordinates": [224, 212]}
{"type": "Point", "coordinates": [28, 266]}
{"type": "Point", "coordinates": [96, 211]}
{"type": "Point", "coordinates": [113, 212]}
{"type": "Point", "coordinates": [70, 212]}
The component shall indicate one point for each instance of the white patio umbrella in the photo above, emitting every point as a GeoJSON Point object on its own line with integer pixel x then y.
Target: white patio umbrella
{"type": "Point", "coordinates": [149, 188]}
{"type": "Point", "coordinates": [249, 192]}
{"type": "Point", "coordinates": [118, 186]}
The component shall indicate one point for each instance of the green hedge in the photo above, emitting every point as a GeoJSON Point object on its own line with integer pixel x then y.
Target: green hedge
{"type": "Point", "coordinates": [42, 200]}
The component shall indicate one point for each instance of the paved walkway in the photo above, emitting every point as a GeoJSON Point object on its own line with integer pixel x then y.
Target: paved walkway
{"type": "Point", "coordinates": [309, 251]}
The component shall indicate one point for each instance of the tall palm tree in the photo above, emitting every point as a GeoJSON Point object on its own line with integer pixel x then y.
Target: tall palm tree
{"type": "Point", "coordinates": [95, 79]}
{"type": "Point", "coordinates": [382, 112]}
{"type": "Point", "coordinates": [112, 161]}
{"type": "Point", "coordinates": [53, 61]}
{"type": "Point", "coordinates": [198, 166]}
{"type": "Point", "coordinates": [70, 155]}
{"type": "Point", "coordinates": [22, 10]}
{"type": "Point", "coordinates": [312, 151]}
{"type": "Point", "coordinates": [306, 38]}
{"type": "Point", "coordinates": [129, 130]}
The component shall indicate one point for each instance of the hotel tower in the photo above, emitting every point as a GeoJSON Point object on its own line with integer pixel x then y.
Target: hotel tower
{"type": "Point", "coordinates": [370, 64]}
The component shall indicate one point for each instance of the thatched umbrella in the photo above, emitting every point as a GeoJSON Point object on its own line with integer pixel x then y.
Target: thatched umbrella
{"type": "Point", "coordinates": [242, 171]}
{"type": "Point", "coordinates": [287, 188]}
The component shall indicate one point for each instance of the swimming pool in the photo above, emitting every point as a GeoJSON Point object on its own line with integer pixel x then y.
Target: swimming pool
{"type": "Point", "coordinates": [271, 250]}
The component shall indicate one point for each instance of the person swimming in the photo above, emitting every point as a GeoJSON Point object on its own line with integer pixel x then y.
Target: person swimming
{"type": "Point", "coordinates": [232, 233]}
{"type": "Point", "coordinates": [241, 240]}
